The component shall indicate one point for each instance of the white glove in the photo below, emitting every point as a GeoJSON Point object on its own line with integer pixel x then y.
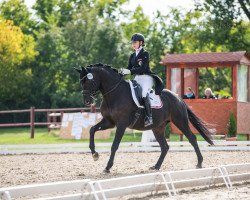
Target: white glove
{"type": "Point", "coordinates": [125, 71]}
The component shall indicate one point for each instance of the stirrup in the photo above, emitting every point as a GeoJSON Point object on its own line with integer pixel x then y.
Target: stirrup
{"type": "Point", "coordinates": [148, 121]}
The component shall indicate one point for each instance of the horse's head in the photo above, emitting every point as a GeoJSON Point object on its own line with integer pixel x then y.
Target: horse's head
{"type": "Point", "coordinates": [98, 77]}
{"type": "Point", "coordinates": [90, 83]}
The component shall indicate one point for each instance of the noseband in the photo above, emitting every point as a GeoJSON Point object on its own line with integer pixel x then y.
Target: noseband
{"type": "Point", "coordinates": [91, 93]}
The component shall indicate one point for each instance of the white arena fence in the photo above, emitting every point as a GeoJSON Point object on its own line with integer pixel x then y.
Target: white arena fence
{"type": "Point", "coordinates": [168, 182]}
{"type": "Point", "coordinates": [124, 147]}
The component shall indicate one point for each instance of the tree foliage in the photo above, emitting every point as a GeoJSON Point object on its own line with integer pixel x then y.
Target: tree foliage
{"type": "Point", "coordinates": [17, 11]}
{"type": "Point", "coordinates": [225, 9]}
{"type": "Point", "coordinates": [17, 51]}
{"type": "Point", "coordinates": [37, 54]}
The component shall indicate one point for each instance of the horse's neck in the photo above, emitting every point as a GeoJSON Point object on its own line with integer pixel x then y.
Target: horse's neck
{"type": "Point", "coordinates": [115, 92]}
{"type": "Point", "coordinates": [108, 82]}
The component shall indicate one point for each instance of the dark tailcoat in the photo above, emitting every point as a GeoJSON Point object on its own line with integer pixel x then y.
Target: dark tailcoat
{"type": "Point", "coordinates": [139, 65]}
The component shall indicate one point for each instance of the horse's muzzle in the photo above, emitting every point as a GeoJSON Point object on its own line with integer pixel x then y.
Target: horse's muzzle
{"type": "Point", "coordinates": [88, 97]}
{"type": "Point", "coordinates": [87, 102]}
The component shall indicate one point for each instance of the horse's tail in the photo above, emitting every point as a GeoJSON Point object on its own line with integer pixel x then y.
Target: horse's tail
{"type": "Point", "coordinates": [200, 126]}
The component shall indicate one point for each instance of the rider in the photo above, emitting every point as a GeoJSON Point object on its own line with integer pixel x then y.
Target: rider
{"type": "Point", "coordinates": [139, 65]}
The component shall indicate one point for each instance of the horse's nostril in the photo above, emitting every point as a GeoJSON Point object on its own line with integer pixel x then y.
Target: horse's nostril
{"type": "Point", "coordinates": [87, 102]}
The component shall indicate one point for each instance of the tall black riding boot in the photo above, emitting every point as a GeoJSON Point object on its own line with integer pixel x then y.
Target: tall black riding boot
{"type": "Point", "coordinates": [148, 111]}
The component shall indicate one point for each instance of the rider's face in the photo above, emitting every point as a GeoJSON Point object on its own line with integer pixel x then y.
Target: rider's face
{"type": "Point", "coordinates": [136, 44]}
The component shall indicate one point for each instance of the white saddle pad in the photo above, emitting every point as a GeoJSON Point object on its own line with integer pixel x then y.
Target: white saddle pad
{"type": "Point", "coordinates": [155, 100]}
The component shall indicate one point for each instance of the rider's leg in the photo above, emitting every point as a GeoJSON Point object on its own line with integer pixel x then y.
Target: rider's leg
{"type": "Point", "coordinates": [147, 84]}
{"type": "Point", "coordinates": [148, 111]}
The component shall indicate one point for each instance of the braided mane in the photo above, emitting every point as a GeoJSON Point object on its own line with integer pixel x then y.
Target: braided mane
{"type": "Point", "coordinates": [103, 66]}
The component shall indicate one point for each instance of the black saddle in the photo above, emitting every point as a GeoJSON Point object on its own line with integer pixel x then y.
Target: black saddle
{"type": "Point", "coordinates": [138, 91]}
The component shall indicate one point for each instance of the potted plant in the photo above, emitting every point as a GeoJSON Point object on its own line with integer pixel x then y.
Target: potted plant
{"type": "Point", "coordinates": [232, 128]}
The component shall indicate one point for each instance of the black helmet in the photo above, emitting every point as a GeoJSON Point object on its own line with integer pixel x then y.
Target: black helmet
{"type": "Point", "coordinates": [137, 37]}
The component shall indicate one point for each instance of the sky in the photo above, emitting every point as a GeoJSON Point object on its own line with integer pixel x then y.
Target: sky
{"type": "Point", "coordinates": [149, 6]}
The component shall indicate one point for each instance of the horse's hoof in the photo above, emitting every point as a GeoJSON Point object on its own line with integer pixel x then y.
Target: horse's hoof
{"type": "Point", "coordinates": [198, 166]}
{"type": "Point", "coordinates": [153, 168]}
{"type": "Point", "coordinates": [95, 156]}
{"type": "Point", "coordinates": [106, 171]}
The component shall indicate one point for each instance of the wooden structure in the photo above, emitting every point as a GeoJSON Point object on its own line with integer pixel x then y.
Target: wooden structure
{"type": "Point", "coordinates": [182, 71]}
{"type": "Point", "coordinates": [50, 113]}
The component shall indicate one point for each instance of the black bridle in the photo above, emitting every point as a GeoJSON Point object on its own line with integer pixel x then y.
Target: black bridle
{"type": "Point", "coordinates": [92, 93]}
{"type": "Point", "coordinates": [111, 90]}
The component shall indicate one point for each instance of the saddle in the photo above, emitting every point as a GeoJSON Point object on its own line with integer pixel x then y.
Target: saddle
{"type": "Point", "coordinates": [136, 91]}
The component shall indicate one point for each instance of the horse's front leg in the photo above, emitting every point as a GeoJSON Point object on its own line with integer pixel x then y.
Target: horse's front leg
{"type": "Point", "coordinates": [102, 125]}
{"type": "Point", "coordinates": [118, 137]}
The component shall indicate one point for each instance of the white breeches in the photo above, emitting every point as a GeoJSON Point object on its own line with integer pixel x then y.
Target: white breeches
{"type": "Point", "coordinates": [146, 82]}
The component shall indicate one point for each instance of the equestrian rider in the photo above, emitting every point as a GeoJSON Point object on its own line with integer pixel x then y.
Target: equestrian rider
{"type": "Point", "coordinates": [139, 65]}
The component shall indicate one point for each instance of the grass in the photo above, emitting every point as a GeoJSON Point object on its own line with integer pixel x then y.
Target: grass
{"type": "Point", "coordinates": [22, 136]}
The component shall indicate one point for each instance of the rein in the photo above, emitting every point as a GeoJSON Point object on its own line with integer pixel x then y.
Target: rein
{"type": "Point", "coordinates": [113, 87]}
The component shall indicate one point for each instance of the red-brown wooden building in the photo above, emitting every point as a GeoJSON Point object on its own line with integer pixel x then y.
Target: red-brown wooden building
{"type": "Point", "coordinates": [182, 71]}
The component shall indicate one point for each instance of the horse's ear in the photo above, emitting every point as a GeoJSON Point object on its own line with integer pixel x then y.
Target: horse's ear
{"type": "Point", "coordinates": [84, 70]}
{"type": "Point", "coordinates": [78, 70]}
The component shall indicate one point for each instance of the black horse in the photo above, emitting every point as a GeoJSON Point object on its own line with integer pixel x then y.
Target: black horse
{"type": "Point", "coordinates": [118, 109]}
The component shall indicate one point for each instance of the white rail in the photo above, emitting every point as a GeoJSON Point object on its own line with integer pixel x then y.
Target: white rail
{"type": "Point", "coordinates": [42, 189]}
{"type": "Point", "coordinates": [170, 182]}
{"type": "Point", "coordinates": [124, 147]}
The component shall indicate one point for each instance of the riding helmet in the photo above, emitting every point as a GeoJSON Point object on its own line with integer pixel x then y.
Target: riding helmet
{"type": "Point", "coordinates": [137, 37]}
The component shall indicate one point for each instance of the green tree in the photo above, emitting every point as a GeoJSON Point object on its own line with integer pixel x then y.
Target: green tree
{"type": "Point", "coordinates": [220, 79]}
{"type": "Point", "coordinates": [17, 11]}
{"type": "Point", "coordinates": [225, 26]}
{"type": "Point", "coordinates": [138, 23]}
{"type": "Point", "coordinates": [84, 40]}
{"type": "Point", "coordinates": [91, 40]}
{"type": "Point", "coordinates": [17, 51]}
{"type": "Point", "coordinates": [45, 8]}
{"type": "Point", "coordinates": [110, 8]}
{"type": "Point", "coordinates": [225, 9]}
{"type": "Point", "coordinates": [52, 83]}
{"type": "Point", "coordinates": [60, 11]}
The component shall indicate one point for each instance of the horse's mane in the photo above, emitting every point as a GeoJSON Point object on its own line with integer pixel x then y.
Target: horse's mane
{"type": "Point", "coordinates": [100, 65]}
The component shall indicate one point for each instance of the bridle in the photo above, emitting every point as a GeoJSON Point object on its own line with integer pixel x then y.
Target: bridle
{"type": "Point", "coordinates": [112, 89]}
{"type": "Point", "coordinates": [92, 93]}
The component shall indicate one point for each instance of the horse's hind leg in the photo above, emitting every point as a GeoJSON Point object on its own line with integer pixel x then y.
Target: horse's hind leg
{"type": "Point", "coordinates": [159, 133]}
{"type": "Point", "coordinates": [181, 122]}
{"type": "Point", "coordinates": [102, 125]}
{"type": "Point", "coordinates": [184, 127]}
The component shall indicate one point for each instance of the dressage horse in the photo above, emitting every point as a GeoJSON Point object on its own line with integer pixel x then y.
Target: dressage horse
{"type": "Point", "coordinates": [118, 109]}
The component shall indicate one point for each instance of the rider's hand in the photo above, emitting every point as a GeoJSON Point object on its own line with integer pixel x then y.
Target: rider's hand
{"type": "Point", "coordinates": [125, 71]}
